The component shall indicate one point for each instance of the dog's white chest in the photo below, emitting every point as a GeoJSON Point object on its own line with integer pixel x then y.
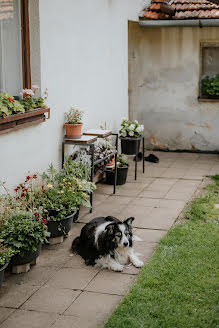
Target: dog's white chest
{"type": "Point", "coordinates": [122, 255]}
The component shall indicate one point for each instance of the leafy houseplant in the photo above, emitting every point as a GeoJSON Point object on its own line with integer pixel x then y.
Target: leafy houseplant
{"type": "Point", "coordinates": [24, 232]}
{"type": "Point", "coordinates": [210, 86]}
{"type": "Point", "coordinates": [122, 171]}
{"type": "Point", "coordinates": [130, 135]}
{"type": "Point", "coordinates": [8, 105]}
{"type": "Point", "coordinates": [73, 122]}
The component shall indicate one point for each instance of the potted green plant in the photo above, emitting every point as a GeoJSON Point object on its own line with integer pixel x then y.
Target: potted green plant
{"type": "Point", "coordinates": [130, 136]}
{"type": "Point", "coordinates": [61, 195]}
{"type": "Point", "coordinates": [122, 172]}
{"type": "Point", "coordinates": [24, 232]}
{"type": "Point", "coordinates": [5, 255]}
{"type": "Point", "coordinates": [73, 122]}
{"type": "Point", "coordinates": [210, 87]}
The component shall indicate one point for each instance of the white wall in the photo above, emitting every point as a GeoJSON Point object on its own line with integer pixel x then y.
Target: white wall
{"type": "Point", "coordinates": [164, 70]}
{"type": "Point", "coordinates": [84, 63]}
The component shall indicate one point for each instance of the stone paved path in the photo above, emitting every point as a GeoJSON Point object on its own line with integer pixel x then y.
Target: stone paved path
{"type": "Point", "coordinates": [60, 291]}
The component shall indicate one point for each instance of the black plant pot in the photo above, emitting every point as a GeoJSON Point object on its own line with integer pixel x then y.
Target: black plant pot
{"type": "Point", "coordinates": [28, 257]}
{"type": "Point", "coordinates": [130, 146]}
{"type": "Point", "coordinates": [76, 216]}
{"type": "Point", "coordinates": [61, 227]}
{"type": "Point", "coordinates": [2, 271]}
{"type": "Point", "coordinates": [121, 176]}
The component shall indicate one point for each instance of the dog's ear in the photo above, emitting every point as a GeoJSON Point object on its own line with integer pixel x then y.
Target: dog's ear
{"type": "Point", "coordinates": [110, 228]}
{"type": "Point", "coordinates": [129, 221]}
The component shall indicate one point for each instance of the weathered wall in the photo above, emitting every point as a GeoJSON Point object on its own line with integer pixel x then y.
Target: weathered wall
{"type": "Point", "coordinates": [79, 51]}
{"type": "Point", "coordinates": [164, 68]}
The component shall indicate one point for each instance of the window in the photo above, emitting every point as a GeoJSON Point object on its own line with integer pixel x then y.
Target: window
{"type": "Point", "coordinates": [209, 67]}
{"type": "Point", "coordinates": [14, 46]}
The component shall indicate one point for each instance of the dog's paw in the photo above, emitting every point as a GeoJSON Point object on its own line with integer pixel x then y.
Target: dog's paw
{"type": "Point", "coordinates": [138, 263]}
{"type": "Point", "coordinates": [117, 267]}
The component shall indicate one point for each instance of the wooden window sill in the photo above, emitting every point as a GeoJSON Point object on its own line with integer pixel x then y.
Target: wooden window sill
{"type": "Point", "coordinates": [22, 120]}
{"type": "Point", "coordinates": [202, 99]}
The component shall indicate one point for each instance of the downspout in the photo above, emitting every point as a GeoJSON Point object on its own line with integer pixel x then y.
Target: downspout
{"type": "Point", "coordinates": [180, 23]}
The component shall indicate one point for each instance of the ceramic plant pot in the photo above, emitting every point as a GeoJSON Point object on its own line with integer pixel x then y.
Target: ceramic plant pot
{"type": "Point", "coordinates": [130, 146]}
{"type": "Point", "coordinates": [73, 130]}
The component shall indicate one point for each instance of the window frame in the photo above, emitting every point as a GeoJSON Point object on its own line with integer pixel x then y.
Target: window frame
{"type": "Point", "coordinates": [203, 45]}
{"type": "Point", "coordinates": [25, 36]}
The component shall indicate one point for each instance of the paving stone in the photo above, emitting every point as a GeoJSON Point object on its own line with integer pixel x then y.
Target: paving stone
{"type": "Point", "coordinates": [156, 187]}
{"type": "Point", "coordinates": [53, 257]}
{"type": "Point", "coordinates": [65, 321]}
{"type": "Point", "coordinates": [98, 307]}
{"type": "Point", "coordinates": [150, 236]}
{"type": "Point", "coordinates": [174, 173]}
{"type": "Point", "coordinates": [145, 202]}
{"type": "Point", "coordinates": [137, 212]}
{"type": "Point", "coordinates": [71, 278]}
{"type": "Point", "coordinates": [12, 295]}
{"type": "Point", "coordinates": [50, 299]}
{"type": "Point", "coordinates": [145, 250]}
{"type": "Point", "coordinates": [178, 195]}
{"type": "Point", "coordinates": [152, 194]}
{"type": "Point", "coordinates": [77, 262]}
{"type": "Point", "coordinates": [29, 319]}
{"type": "Point", "coordinates": [130, 189]}
{"type": "Point", "coordinates": [110, 282]}
{"type": "Point", "coordinates": [5, 313]}
{"type": "Point", "coordinates": [164, 181]}
{"type": "Point", "coordinates": [216, 206]}
{"type": "Point", "coordinates": [37, 276]}
{"type": "Point", "coordinates": [171, 203]}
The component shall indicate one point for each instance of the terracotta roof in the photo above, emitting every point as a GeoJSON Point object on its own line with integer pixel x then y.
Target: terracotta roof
{"type": "Point", "coordinates": [185, 9]}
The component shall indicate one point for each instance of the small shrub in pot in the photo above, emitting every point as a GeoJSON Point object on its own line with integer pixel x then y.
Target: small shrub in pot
{"type": "Point", "coordinates": [73, 122]}
{"type": "Point", "coordinates": [122, 171]}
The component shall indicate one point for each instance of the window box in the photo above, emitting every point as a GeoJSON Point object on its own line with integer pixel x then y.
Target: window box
{"type": "Point", "coordinates": [208, 99]}
{"type": "Point", "coordinates": [22, 120]}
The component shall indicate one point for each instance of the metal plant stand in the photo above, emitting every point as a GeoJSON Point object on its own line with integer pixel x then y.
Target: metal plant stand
{"type": "Point", "coordinates": [87, 140]}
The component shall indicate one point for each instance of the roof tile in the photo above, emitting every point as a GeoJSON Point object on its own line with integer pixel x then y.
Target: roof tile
{"type": "Point", "coordinates": [185, 9]}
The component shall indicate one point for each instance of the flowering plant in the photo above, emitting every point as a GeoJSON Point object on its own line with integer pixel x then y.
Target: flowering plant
{"type": "Point", "coordinates": [73, 116]}
{"type": "Point", "coordinates": [65, 191]}
{"type": "Point", "coordinates": [131, 129]}
{"type": "Point", "coordinates": [23, 231]}
{"type": "Point", "coordinates": [8, 105]}
{"type": "Point", "coordinates": [31, 102]}
{"type": "Point", "coordinates": [5, 254]}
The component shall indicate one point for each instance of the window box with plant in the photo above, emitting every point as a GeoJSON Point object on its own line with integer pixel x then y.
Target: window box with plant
{"type": "Point", "coordinates": [130, 135]}
{"type": "Point", "coordinates": [122, 172]}
{"type": "Point", "coordinates": [210, 87]}
{"type": "Point", "coordinates": [17, 114]}
{"type": "Point", "coordinates": [73, 123]}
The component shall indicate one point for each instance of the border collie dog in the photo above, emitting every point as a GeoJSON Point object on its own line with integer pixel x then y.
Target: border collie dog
{"type": "Point", "coordinates": [107, 243]}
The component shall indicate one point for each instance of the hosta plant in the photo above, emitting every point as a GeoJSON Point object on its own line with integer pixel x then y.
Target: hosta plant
{"type": "Point", "coordinates": [23, 231]}
{"type": "Point", "coordinates": [8, 105]}
{"type": "Point", "coordinates": [131, 129]}
{"type": "Point", "coordinates": [210, 86]}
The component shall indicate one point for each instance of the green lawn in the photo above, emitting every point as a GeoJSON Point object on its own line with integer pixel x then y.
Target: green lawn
{"type": "Point", "coordinates": [178, 287]}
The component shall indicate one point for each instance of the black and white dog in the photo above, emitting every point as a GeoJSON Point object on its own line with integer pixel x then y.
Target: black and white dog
{"type": "Point", "coordinates": [107, 242]}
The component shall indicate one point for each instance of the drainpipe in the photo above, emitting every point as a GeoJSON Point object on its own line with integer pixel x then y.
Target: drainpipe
{"type": "Point", "coordinates": [180, 23]}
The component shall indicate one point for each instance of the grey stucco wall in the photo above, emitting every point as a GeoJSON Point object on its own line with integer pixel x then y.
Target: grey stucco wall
{"type": "Point", "coordinates": [164, 70]}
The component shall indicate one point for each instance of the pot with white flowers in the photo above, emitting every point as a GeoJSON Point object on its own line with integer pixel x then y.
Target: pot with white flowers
{"type": "Point", "coordinates": [73, 123]}
{"type": "Point", "coordinates": [130, 136]}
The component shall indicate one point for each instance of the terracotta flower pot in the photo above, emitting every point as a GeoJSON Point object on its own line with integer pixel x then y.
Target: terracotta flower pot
{"type": "Point", "coordinates": [73, 130]}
